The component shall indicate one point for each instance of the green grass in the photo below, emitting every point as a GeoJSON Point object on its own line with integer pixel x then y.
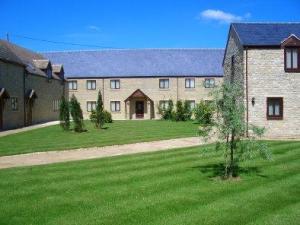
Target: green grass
{"type": "Point", "coordinates": [119, 132]}
{"type": "Point", "coordinates": [171, 187]}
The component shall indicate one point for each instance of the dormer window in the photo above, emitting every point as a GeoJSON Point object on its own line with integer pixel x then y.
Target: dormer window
{"type": "Point", "coordinates": [292, 63]}
{"type": "Point", "coordinates": [291, 47]}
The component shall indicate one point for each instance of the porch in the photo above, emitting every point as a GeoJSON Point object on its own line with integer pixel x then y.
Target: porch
{"type": "Point", "coordinates": [139, 106]}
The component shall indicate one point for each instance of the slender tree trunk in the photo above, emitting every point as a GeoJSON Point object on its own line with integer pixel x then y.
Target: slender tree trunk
{"type": "Point", "coordinates": [232, 146]}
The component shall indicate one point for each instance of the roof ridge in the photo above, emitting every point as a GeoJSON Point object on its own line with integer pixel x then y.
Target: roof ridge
{"type": "Point", "coordinates": [129, 49]}
{"type": "Point", "coordinates": [266, 23]}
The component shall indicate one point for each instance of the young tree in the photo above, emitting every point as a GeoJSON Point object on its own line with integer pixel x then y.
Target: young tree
{"type": "Point", "coordinates": [204, 113]}
{"type": "Point", "coordinates": [167, 113]}
{"type": "Point", "coordinates": [76, 114]}
{"type": "Point", "coordinates": [230, 127]}
{"type": "Point", "coordinates": [179, 115]}
{"type": "Point", "coordinates": [64, 114]}
{"type": "Point", "coordinates": [187, 110]}
{"type": "Point", "coordinates": [98, 116]}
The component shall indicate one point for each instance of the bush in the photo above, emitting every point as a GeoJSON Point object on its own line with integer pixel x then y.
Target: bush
{"type": "Point", "coordinates": [107, 117]}
{"type": "Point", "coordinates": [76, 114]}
{"type": "Point", "coordinates": [168, 112]}
{"type": "Point", "coordinates": [64, 114]}
{"type": "Point", "coordinates": [204, 113]}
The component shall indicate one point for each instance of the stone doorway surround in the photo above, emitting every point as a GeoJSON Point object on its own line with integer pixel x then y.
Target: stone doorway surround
{"type": "Point", "coordinates": [130, 105]}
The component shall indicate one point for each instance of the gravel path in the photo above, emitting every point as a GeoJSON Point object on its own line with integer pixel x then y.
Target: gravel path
{"type": "Point", "coordinates": [33, 127]}
{"type": "Point", "coordinates": [41, 158]}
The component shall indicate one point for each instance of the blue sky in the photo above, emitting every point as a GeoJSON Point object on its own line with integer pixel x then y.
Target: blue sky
{"type": "Point", "coordinates": [134, 23]}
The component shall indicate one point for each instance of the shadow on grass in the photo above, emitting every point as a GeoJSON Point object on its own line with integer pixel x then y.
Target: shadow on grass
{"type": "Point", "coordinates": [217, 170]}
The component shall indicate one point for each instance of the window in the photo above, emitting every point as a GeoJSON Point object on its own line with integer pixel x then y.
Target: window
{"type": "Point", "coordinates": [209, 83]}
{"type": "Point", "coordinates": [163, 83]}
{"type": "Point", "coordinates": [292, 61]}
{"type": "Point", "coordinates": [115, 106]}
{"type": "Point", "coordinates": [72, 85]}
{"type": "Point", "coordinates": [115, 84]}
{"type": "Point", "coordinates": [90, 106]}
{"type": "Point", "coordinates": [56, 104]}
{"type": "Point", "coordinates": [274, 108]}
{"type": "Point", "coordinates": [190, 83]}
{"type": "Point", "coordinates": [14, 103]}
{"type": "Point", "coordinates": [192, 104]}
{"type": "Point", "coordinates": [91, 84]}
{"type": "Point", "coordinates": [163, 104]}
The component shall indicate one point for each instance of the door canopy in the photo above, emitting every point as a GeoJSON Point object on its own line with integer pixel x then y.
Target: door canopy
{"type": "Point", "coordinates": [137, 94]}
{"type": "Point", "coordinates": [31, 94]}
{"type": "Point", "coordinates": [3, 93]}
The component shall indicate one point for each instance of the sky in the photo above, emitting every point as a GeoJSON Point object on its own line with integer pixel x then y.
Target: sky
{"type": "Point", "coordinates": [92, 24]}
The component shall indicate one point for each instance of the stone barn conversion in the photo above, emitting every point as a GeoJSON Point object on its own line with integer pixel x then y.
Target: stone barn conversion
{"type": "Point", "coordinates": [264, 59]}
{"type": "Point", "coordinates": [135, 82]}
{"type": "Point", "coordinates": [30, 87]}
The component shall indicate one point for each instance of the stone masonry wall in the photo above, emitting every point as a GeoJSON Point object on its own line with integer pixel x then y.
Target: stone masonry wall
{"type": "Point", "coordinates": [150, 86]}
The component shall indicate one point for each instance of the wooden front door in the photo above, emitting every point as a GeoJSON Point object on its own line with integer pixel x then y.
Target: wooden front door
{"type": "Point", "coordinates": [139, 109]}
{"type": "Point", "coordinates": [1, 113]}
{"type": "Point", "coordinates": [29, 113]}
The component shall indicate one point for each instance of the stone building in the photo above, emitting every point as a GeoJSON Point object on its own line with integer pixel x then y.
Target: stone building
{"type": "Point", "coordinates": [30, 87]}
{"type": "Point", "coordinates": [135, 82]}
{"type": "Point", "coordinates": [264, 59]}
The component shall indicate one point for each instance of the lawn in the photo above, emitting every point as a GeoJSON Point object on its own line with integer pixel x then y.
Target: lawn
{"type": "Point", "coordinates": [119, 132]}
{"type": "Point", "coordinates": [170, 187]}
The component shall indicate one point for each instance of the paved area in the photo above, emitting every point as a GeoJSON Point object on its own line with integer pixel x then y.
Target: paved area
{"type": "Point", "coordinates": [33, 127]}
{"type": "Point", "coordinates": [41, 158]}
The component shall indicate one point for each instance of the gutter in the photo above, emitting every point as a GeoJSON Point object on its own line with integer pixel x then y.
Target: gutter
{"type": "Point", "coordinates": [247, 96]}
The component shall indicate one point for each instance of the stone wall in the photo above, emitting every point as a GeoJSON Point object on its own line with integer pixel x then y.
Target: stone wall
{"type": "Point", "coordinates": [11, 78]}
{"type": "Point", "coordinates": [47, 92]}
{"type": "Point", "coordinates": [150, 86]}
{"type": "Point", "coordinates": [267, 78]}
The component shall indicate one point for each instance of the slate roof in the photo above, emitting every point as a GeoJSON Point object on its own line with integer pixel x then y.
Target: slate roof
{"type": "Point", "coordinates": [32, 61]}
{"type": "Point", "coordinates": [265, 34]}
{"type": "Point", "coordinates": [140, 62]}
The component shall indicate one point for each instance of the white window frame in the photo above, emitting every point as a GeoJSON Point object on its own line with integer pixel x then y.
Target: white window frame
{"type": "Point", "coordinates": [164, 83]}
{"type": "Point", "coordinates": [191, 102]}
{"type": "Point", "coordinates": [115, 84]}
{"type": "Point", "coordinates": [91, 84]}
{"type": "Point", "coordinates": [164, 104]}
{"type": "Point", "coordinates": [90, 106]}
{"type": "Point", "coordinates": [72, 84]}
{"type": "Point", "coordinates": [189, 83]}
{"type": "Point", "coordinates": [208, 83]}
{"type": "Point", "coordinates": [14, 103]}
{"type": "Point", "coordinates": [56, 104]}
{"type": "Point", "coordinates": [115, 106]}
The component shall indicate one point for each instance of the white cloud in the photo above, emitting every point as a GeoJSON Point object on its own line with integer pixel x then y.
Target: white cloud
{"type": "Point", "coordinates": [221, 16]}
{"type": "Point", "coordinates": [93, 27]}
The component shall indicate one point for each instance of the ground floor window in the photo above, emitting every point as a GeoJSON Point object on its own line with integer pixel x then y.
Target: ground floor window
{"type": "Point", "coordinates": [90, 106]}
{"type": "Point", "coordinates": [192, 104]}
{"type": "Point", "coordinates": [14, 103]}
{"type": "Point", "coordinates": [115, 106]}
{"type": "Point", "coordinates": [274, 108]}
{"type": "Point", "coordinates": [56, 104]}
{"type": "Point", "coordinates": [163, 104]}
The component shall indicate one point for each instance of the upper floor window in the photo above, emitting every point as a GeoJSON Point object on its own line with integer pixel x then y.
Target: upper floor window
{"type": "Point", "coordinates": [115, 84]}
{"type": "Point", "coordinates": [14, 104]}
{"type": "Point", "coordinates": [90, 106]}
{"type": "Point", "coordinates": [91, 84]}
{"type": "Point", "coordinates": [209, 83]}
{"type": "Point", "coordinates": [115, 106]}
{"type": "Point", "coordinates": [163, 83]}
{"type": "Point", "coordinates": [292, 61]}
{"type": "Point", "coordinates": [274, 108]}
{"type": "Point", "coordinates": [72, 85]}
{"type": "Point", "coordinates": [189, 83]}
